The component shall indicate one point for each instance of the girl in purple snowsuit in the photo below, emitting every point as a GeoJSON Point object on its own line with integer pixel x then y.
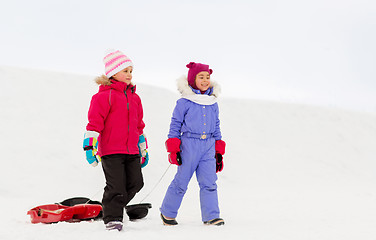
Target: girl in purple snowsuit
{"type": "Point", "coordinates": [194, 144]}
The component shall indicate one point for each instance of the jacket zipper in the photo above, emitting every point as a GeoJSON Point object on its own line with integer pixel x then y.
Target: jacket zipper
{"type": "Point", "coordinates": [126, 96]}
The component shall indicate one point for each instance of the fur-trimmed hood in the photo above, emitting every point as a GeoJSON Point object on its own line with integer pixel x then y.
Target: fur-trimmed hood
{"type": "Point", "coordinates": [105, 81]}
{"type": "Point", "coordinates": [188, 93]}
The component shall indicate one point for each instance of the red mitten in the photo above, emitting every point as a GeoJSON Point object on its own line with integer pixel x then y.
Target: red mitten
{"type": "Point", "coordinates": [173, 148]}
{"type": "Point", "coordinates": [220, 147]}
{"type": "Point", "coordinates": [219, 151]}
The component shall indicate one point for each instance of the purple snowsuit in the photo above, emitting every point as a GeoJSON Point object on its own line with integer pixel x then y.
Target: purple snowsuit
{"type": "Point", "coordinates": [190, 121]}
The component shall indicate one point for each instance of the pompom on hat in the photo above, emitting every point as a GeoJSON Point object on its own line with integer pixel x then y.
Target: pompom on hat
{"type": "Point", "coordinates": [115, 61]}
{"type": "Point", "coordinates": [194, 69]}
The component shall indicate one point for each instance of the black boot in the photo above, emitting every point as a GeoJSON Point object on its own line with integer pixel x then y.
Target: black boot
{"type": "Point", "coordinates": [216, 222]}
{"type": "Point", "coordinates": [168, 222]}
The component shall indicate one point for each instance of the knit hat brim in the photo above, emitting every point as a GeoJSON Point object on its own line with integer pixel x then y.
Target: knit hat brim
{"type": "Point", "coordinates": [119, 68]}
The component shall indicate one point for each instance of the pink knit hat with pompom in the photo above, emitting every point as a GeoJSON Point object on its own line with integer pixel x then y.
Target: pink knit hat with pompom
{"type": "Point", "coordinates": [194, 69]}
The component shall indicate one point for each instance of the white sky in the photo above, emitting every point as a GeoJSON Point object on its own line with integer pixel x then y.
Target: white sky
{"type": "Point", "coordinates": [320, 52]}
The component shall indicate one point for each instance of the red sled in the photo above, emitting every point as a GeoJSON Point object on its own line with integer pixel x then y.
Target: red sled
{"type": "Point", "coordinates": [52, 213]}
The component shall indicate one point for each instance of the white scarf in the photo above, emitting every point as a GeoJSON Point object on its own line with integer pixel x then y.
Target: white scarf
{"type": "Point", "coordinates": [202, 99]}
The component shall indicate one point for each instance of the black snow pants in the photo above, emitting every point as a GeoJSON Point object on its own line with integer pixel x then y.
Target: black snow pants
{"type": "Point", "coordinates": [123, 180]}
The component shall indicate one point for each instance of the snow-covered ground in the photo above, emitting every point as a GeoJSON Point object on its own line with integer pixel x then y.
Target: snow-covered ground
{"type": "Point", "coordinates": [291, 171]}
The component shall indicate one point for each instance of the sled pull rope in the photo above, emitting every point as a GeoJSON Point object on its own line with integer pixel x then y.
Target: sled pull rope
{"type": "Point", "coordinates": [156, 183]}
{"type": "Point", "coordinates": [92, 197]}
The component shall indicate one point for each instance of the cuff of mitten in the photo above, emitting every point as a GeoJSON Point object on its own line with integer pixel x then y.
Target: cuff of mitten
{"type": "Point", "coordinates": [173, 145]}
{"type": "Point", "coordinates": [91, 134]}
{"type": "Point", "coordinates": [220, 147]}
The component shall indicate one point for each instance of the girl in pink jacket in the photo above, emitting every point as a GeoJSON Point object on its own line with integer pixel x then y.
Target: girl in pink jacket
{"type": "Point", "coordinates": [115, 137]}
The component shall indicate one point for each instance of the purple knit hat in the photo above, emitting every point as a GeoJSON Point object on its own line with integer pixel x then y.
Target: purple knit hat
{"type": "Point", "coordinates": [194, 69]}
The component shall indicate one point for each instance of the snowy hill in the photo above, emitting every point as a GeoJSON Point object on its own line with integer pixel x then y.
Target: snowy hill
{"type": "Point", "coordinates": [291, 171]}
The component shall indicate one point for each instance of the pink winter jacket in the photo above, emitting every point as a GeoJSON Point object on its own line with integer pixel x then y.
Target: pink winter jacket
{"type": "Point", "coordinates": [116, 114]}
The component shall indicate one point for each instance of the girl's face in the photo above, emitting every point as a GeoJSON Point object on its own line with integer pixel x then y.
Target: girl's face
{"type": "Point", "coordinates": [124, 75]}
{"type": "Point", "coordinates": [203, 81]}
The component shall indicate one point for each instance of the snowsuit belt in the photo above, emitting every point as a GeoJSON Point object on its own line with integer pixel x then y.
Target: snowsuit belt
{"type": "Point", "coordinates": [196, 135]}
